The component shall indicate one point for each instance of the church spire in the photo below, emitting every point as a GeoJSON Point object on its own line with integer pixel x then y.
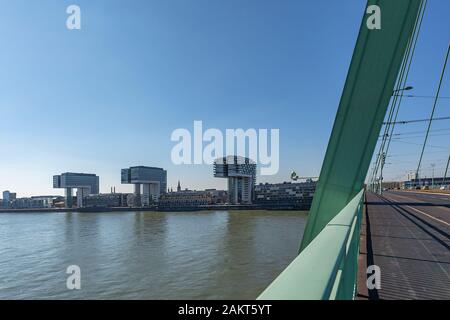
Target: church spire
{"type": "Point", "coordinates": [179, 186]}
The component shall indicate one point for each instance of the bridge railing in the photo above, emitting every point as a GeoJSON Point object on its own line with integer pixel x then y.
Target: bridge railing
{"type": "Point", "coordinates": [327, 268]}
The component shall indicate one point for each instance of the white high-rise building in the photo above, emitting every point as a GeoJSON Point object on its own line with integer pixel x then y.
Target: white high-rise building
{"type": "Point", "coordinates": [411, 176]}
{"type": "Point", "coordinates": [241, 175]}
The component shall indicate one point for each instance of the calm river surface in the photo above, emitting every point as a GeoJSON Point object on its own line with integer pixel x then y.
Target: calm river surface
{"type": "Point", "coordinates": [146, 255]}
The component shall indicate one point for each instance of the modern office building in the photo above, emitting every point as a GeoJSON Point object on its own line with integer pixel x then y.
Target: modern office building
{"type": "Point", "coordinates": [149, 184]}
{"type": "Point", "coordinates": [8, 197]}
{"type": "Point", "coordinates": [295, 195]}
{"type": "Point", "coordinates": [45, 201]}
{"type": "Point", "coordinates": [85, 184]}
{"type": "Point", "coordinates": [24, 203]}
{"type": "Point", "coordinates": [425, 182]}
{"type": "Point", "coordinates": [241, 175]}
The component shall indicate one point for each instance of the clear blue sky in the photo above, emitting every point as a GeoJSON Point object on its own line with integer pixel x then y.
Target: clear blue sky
{"type": "Point", "coordinates": [110, 95]}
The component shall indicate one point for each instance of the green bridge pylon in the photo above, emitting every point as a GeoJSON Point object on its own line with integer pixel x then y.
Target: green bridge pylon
{"type": "Point", "coordinates": [368, 89]}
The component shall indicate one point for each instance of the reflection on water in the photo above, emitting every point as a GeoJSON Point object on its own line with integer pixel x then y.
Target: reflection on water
{"type": "Point", "coordinates": [146, 255]}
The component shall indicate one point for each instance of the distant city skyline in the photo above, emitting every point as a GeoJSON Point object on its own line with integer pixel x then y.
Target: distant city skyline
{"type": "Point", "coordinates": [108, 96]}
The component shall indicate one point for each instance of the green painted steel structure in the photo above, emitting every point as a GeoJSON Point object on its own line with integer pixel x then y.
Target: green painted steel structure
{"type": "Point", "coordinates": [370, 83]}
{"type": "Point", "coordinates": [327, 265]}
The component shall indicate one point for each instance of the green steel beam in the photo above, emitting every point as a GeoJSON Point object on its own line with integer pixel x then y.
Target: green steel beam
{"type": "Point", "coordinates": [446, 171]}
{"type": "Point", "coordinates": [368, 89]}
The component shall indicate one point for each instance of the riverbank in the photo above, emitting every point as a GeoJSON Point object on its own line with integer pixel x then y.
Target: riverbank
{"type": "Point", "coordinates": [164, 209]}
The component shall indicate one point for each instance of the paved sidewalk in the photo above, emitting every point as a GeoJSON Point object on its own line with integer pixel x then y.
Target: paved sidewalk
{"type": "Point", "coordinates": [409, 239]}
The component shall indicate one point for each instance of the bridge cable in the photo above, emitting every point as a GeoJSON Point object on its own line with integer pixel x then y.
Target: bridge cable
{"type": "Point", "coordinates": [391, 113]}
{"type": "Point", "coordinates": [419, 120]}
{"type": "Point", "coordinates": [432, 113]}
{"type": "Point", "coordinates": [394, 109]}
{"type": "Point", "coordinates": [415, 36]}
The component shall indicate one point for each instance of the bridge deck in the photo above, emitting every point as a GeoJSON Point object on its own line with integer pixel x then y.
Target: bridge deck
{"type": "Point", "coordinates": [408, 236]}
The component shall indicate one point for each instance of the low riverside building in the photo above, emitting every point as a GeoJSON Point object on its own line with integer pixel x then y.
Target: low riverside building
{"type": "Point", "coordinates": [186, 198]}
{"type": "Point", "coordinates": [24, 203]}
{"type": "Point", "coordinates": [218, 196]}
{"type": "Point", "coordinates": [37, 202]}
{"type": "Point", "coordinates": [287, 194]}
{"type": "Point", "coordinates": [109, 200]}
{"type": "Point", "coordinates": [425, 182]}
{"type": "Point", "coordinates": [392, 185]}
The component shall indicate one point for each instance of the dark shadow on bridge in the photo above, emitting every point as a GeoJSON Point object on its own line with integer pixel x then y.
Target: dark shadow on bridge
{"type": "Point", "coordinates": [400, 238]}
{"type": "Point", "coordinates": [411, 259]}
{"type": "Point", "coordinates": [408, 215]}
{"type": "Point", "coordinates": [415, 204]}
{"type": "Point", "coordinates": [372, 294]}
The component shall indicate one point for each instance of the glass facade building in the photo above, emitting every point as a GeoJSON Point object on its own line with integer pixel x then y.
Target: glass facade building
{"type": "Point", "coordinates": [77, 180]}
{"type": "Point", "coordinates": [85, 183]}
{"type": "Point", "coordinates": [241, 175]}
{"type": "Point", "coordinates": [297, 195]}
{"type": "Point", "coordinates": [153, 181]}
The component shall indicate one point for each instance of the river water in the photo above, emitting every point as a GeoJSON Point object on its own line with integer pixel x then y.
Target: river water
{"type": "Point", "coordinates": [146, 255]}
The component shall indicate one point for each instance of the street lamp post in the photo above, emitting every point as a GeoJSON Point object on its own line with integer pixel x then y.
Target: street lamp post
{"type": "Point", "coordinates": [383, 162]}
{"type": "Point", "coordinates": [408, 88]}
{"type": "Point", "coordinates": [432, 177]}
{"type": "Point", "coordinates": [381, 157]}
